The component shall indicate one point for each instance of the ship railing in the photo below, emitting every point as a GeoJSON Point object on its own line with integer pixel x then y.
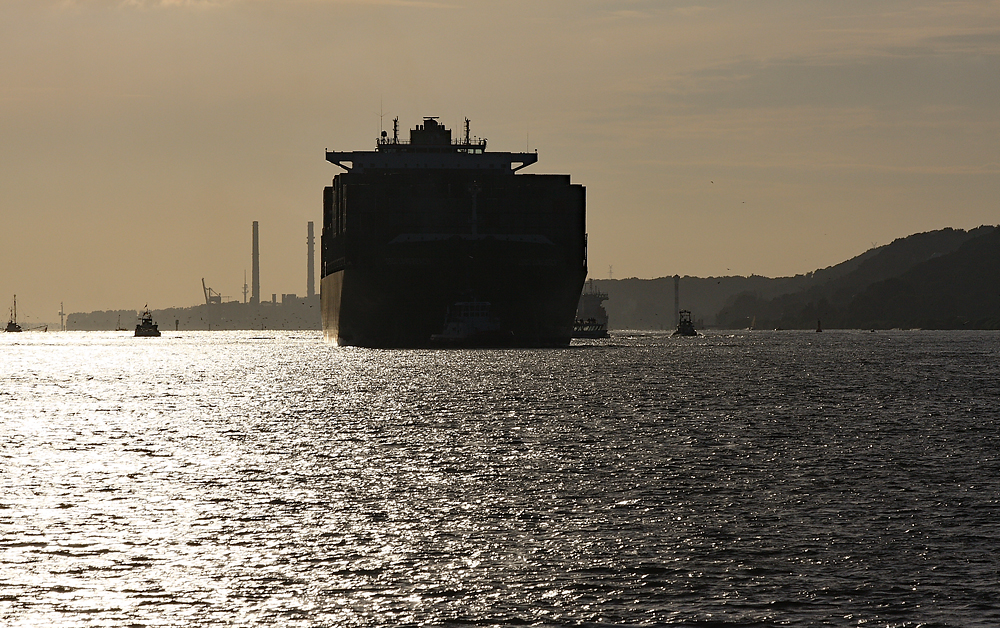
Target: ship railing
{"type": "Point", "coordinates": [476, 144]}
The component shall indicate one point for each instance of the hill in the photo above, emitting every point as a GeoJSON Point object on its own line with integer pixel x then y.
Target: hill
{"type": "Point", "coordinates": [649, 303]}
{"type": "Point", "coordinates": [290, 313]}
{"type": "Point", "coordinates": [797, 302]}
{"type": "Point", "coordinates": [959, 290]}
{"type": "Point", "coordinates": [890, 287]}
{"type": "Point", "coordinates": [945, 279]}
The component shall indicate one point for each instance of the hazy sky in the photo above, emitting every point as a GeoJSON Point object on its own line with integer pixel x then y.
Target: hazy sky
{"type": "Point", "coordinates": [140, 138]}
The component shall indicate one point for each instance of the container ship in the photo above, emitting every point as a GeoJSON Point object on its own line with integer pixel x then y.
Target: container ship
{"type": "Point", "coordinates": [437, 241]}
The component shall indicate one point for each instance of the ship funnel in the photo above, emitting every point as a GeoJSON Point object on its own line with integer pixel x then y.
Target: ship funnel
{"type": "Point", "coordinates": [255, 270]}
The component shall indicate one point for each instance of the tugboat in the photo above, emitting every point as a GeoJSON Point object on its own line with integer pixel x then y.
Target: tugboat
{"type": "Point", "coordinates": [470, 324]}
{"type": "Point", "coordinates": [146, 327]}
{"type": "Point", "coordinates": [591, 317]}
{"type": "Point", "coordinates": [12, 323]}
{"type": "Point", "coordinates": [684, 325]}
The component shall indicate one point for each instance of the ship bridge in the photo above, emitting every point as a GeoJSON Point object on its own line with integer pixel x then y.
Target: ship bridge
{"type": "Point", "coordinates": [430, 147]}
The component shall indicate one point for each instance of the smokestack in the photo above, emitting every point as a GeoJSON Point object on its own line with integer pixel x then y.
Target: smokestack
{"type": "Point", "coordinates": [677, 300]}
{"type": "Point", "coordinates": [255, 271]}
{"type": "Point", "coordinates": [310, 276]}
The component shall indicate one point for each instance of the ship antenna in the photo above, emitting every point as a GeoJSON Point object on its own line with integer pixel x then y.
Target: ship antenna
{"type": "Point", "coordinates": [467, 141]}
{"type": "Point", "coordinates": [395, 130]}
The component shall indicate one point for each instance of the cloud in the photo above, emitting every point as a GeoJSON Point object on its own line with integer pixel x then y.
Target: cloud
{"type": "Point", "coordinates": [968, 42]}
{"type": "Point", "coordinates": [175, 3]}
{"type": "Point", "coordinates": [693, 11]}
{"type": "Point", "coordinates": [902, 78]}
{"type": "Point", "coordinates": [70, 5]}
{"type": "Point", "coordinates": [202, 4]}
{"type": "Point", "coordinates": [793, 165]}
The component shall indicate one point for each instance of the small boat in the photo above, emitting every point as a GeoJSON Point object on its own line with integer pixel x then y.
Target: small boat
{"type": "Point", "coordinates": [591, 317]}
{"type": "Point", "coordinates": [819, 326]}
{"type": "Point", "coordinates": [470, 324]}
{"type": "Point", "coordinates": [146, 326]}
{"type": "Point", "coordinates": [12, 323]}
{"type": "Point", "coordinates": [590, 328]}
{"type": "Point", "coordinates": [119, 326]}
{"type": "Point", "coordinates": [685, 327]}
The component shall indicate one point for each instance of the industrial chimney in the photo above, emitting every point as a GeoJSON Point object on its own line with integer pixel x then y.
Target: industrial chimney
{"type": "Point", "coordinates": [677, 299]}
{"type": "Point", "coordinates": [310, 274]}
{"type": "Point", "coordinates": [255, 271]}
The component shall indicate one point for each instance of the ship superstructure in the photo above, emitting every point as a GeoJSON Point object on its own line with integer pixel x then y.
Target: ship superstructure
{"type": "Point", "coordinates": [591, 317]}
{"type": "Point", "coordinates": [416, 227]}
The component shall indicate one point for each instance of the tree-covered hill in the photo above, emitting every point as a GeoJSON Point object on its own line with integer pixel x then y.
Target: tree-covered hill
{"type": "Point", "coordinates": [960, 290]}
{"type": "Point", "coordinates": [935, 279]}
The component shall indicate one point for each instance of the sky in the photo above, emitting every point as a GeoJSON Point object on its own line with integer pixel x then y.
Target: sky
{"type": "Point", "coordinates": [139, 139]}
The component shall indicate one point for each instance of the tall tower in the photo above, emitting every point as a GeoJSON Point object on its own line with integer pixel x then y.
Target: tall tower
{"type": "Point", "coordinates": [255, 269]}
{"type": "Point", "coordinates": [677, 300]}
{"type": "Point", "coordinates": [310, 273]}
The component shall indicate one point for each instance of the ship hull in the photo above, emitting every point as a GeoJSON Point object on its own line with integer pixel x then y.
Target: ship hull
{"type": "Point", "coordinates": [390, 307]}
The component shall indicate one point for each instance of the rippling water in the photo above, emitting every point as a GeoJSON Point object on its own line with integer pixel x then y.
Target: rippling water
{"type": "Point", "coordinates": [241, 479]}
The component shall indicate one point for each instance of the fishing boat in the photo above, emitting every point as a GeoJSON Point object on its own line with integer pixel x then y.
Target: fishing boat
{"type": "Point", "coordinates": [146, 327]}
{"type": "Point", "coordinates": [12, 322]}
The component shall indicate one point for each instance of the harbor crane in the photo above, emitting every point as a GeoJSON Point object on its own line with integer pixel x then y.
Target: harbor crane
{"type": "Point", "coordinates": [211, 296]}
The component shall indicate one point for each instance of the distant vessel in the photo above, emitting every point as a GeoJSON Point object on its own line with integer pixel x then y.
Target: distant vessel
{"type": "Point", "coordinates": [685, 327]}
{"type": "Point", "coordinates": [413, 228]}
{"type": "Point", "coordinates": [146, 326]}
{"type": "Point", "coordinates": [591, 317]}
{"type": "Point", "coordinates": [819, 326]}
{"type": "Point", "coordinates": [119, 326]}
{"type": "Point", "coordinates": [12, 323]}
{"type": "Point", "coordinates": [471, 324]}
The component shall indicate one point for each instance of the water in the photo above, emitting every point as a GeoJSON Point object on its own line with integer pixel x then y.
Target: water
{"type": "Point", "coordinates": [268, 479]}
